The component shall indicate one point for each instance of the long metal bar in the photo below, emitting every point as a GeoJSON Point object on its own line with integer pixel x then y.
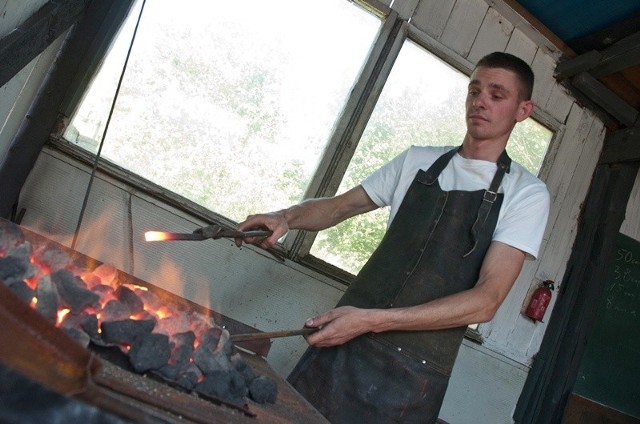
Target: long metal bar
{"type": "Point", "coordinates": [271, 334]}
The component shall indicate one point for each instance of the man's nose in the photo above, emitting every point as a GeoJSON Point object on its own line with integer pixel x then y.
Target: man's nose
{"type": "Point", "coordinates": [478, 101]}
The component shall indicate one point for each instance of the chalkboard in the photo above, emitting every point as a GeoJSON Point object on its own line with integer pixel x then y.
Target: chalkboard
{"type": "Point", "coordinates": [610, 369]}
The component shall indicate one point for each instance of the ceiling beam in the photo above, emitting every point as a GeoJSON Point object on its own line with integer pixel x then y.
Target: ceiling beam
{"type": "Point", "coordinates": [621, 146]}
{"type": "Point", "coordinates": [621, 55]}
{"type": "Point", "coordinates": [606, 99]}
{"type": "Point", "coordinates": [27, 41]}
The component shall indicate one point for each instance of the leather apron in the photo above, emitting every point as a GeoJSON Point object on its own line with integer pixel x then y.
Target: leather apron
{"type": "Point", "coordinates": [434, 247]}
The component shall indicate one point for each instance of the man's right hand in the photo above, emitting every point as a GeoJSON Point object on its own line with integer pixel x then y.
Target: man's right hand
{"type": "Point", "coordinates": [274, 221]}
{"type": "Point", "coordinates": [310, 215]}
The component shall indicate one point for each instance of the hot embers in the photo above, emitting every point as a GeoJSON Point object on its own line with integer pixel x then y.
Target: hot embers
{"type": "Point", "coordinates": [186, 348]}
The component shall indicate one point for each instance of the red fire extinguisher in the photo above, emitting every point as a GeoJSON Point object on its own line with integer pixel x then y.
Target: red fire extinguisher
{"type": "Point", "coordinates": [540, 300]}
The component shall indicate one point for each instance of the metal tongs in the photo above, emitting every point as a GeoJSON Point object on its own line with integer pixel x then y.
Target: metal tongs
{"type": "Point", "coordinates": [214, 231]}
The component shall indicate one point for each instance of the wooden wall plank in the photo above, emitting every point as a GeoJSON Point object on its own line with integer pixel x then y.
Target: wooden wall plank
{"type": "Point", "coordinates": [493, 36]}
{"type": "Point", "coordinates": [559, 103]}
{"type": "Point", "coordinates": [431, 16]}
{"type": "Point", "coordinates": [521, 46]}
{"type": "Point", "coordinates": [463, 25]}
{"type": "Point", "coordinates": [543, 67]}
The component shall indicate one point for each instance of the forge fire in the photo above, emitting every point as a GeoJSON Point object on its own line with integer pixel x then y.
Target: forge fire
{"type": "Point", "coordinates": [96, 309]}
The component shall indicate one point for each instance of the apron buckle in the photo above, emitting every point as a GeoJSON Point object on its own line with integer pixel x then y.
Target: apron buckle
{"type": "Point", "coordinates": [490, 196]}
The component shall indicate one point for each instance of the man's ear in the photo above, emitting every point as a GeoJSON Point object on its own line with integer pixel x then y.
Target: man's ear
{"type": "Point", "coordinates": [525, 109]}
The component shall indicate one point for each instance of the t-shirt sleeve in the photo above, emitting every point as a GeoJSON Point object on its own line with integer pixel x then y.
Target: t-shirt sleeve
{"type": "Point", "coordinates": [524, 224]}
{"type": "Point", "coordinates": [382, 183]}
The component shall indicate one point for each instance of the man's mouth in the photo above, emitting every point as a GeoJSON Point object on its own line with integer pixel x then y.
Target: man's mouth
{"type": "Point", "coordinates": [476, 117]}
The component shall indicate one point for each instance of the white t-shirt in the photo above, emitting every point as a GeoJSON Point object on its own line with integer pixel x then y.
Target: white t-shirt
{"type": "Point", "coordinates": [525, 207]}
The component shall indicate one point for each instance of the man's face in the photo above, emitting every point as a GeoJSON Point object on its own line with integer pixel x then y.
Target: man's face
{"type": "Point", "coordinates": [494, 104]}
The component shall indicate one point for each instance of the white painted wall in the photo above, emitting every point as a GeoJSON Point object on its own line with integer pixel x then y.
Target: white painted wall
{"type": "Point", "coordinates": [250, 286]}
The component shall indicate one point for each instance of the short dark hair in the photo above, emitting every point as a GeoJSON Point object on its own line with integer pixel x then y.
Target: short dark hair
{"type": "Point", "coordinates": [512, 63]}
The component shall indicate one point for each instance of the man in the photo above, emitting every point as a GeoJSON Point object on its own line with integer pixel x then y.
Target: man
{"type": "Point", "coordinates": [462, 222]}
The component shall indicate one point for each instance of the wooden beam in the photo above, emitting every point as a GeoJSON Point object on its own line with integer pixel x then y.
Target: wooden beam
{"type": "Point", "coordinates": [621, 55]}
{"type": "Point", "coordinates": [24, 43]}
{"type": "Point", "coordinates": [621, 146]}
{"type": "Point", "coordinates": [605, 98]}
{"type": "Point", "coordinates": [573, 66]}
{"type": "Point", "coordinates": [585, 101]}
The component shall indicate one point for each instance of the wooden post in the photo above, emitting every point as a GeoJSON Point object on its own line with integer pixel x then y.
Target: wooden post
{"type": "Point", "coordinates": [41, 119]}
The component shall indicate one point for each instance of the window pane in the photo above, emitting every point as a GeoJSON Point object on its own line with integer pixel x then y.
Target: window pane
{"type": "Point", "coordinates": [528, 144]}
{"type": "Point", "coordinates": [422, 104]}
{"type": "Point", "coordinates": [229, 104]}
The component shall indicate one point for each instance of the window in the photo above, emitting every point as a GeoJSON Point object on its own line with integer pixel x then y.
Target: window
{"type": "Point", "coordinates": [232, 106]}
{"type": "Point", "coordinates": [228, 104]}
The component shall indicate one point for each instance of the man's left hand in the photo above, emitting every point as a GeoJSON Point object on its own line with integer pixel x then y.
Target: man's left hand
{"type": "Point", "coordinates": [339, 325]}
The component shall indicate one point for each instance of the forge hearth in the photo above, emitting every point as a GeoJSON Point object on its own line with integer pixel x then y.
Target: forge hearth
{"type": "Point", "coordinates": [70, 318]}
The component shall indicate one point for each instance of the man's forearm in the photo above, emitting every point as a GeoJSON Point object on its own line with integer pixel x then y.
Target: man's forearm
{"type": "Point", "coordinates": [453, 311]}
{"type": "Point", "coordinates": [322, 213]}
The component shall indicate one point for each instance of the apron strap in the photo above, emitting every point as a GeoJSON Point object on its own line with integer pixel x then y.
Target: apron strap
{"type": "Point", "coordinates": [431, 175]}
{"type": "Point", "coordinates": [490, 196]}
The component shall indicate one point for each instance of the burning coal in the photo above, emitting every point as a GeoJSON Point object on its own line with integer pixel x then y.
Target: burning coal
{"type": "Point", "coordinates": [96, 309]}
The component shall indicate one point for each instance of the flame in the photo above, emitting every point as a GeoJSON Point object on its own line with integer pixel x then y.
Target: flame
{"type": "Point", "coordinates": [163, 312]}
{"type": "Point", "coordinates": [61, 314]}
{"type": "Point", "coordinates": [156, 236]}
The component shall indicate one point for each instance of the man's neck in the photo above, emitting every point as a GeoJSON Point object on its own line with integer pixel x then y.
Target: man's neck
{"type": "Point", "coordinates": [489, 150]}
